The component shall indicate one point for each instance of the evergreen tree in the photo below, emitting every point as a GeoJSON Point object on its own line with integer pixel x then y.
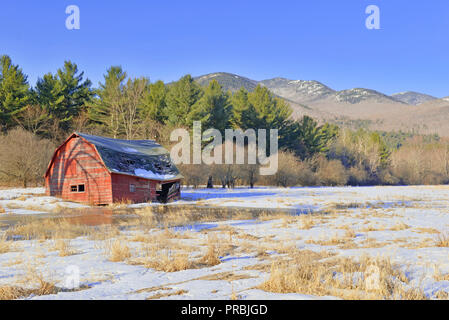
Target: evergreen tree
{"type": "Point", "coordinates": [243, 113]}
{"type": "Point", "coordinates": [154, 102]}
{"type": "Point", "coordinates": [14, 91]}
{"type": "Point", "coordinates": [65, 94]}
{"type": "Point", "coordinates": [271, 112]}
{"type": "Point", "coordinates": [313, 138]}
{"type": "Point", "coordinates": [213, 109]}
{"type": "Point", "coordinates": [106, 107]}
{"type": "Point", "coordinates": [181, 98]}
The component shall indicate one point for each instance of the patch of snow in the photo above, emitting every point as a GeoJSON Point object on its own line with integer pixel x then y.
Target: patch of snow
{"type": "Point", "coordinates": [130, 150]}
{"type": "Point", "coordinates": [151, 175]}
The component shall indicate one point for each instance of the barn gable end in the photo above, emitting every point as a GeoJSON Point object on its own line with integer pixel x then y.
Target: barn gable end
{"type": "Point", "coordinates": [77, 164]}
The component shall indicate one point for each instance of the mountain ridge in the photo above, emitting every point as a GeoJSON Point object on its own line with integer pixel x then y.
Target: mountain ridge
{"type": "Point", "coordinates": [355, 108]}
{"type": "Point", "coordinates": [303, 91]}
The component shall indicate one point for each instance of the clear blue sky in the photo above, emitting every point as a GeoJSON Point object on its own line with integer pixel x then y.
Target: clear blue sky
{"type": "Point", "coordinates": [298, 39]}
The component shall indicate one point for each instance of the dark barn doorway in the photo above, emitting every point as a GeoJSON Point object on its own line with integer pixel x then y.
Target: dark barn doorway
{"type": "Point", "coordinates": [167, 191]}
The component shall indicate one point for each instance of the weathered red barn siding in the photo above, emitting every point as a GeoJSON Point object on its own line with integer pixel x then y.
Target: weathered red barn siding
{"type": "Point", "coordinates": [145, 190]}
{"type": "Point", "coordinates": [77, 162]}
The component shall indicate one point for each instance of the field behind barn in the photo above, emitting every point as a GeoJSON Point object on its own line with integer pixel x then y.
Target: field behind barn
{"type": "Point", "coordinates": [262, 243]}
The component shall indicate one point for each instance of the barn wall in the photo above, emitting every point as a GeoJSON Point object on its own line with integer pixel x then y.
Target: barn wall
{"type": "Point", "coordinates": [75, 163]}
{"type": "Point", "coordinates": [145, 190]}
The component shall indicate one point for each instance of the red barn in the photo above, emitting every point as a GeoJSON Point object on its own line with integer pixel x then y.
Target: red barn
{"type": "Point", "coordinates": [98, 170]}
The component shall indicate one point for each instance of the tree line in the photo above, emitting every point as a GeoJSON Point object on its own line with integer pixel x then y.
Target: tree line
{"type": "Point", "coordinates": [136, 108]}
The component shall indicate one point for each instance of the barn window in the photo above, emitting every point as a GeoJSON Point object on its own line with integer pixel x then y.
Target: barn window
{"type": "Point", "coordinates": [132, 188]}
{"type": "Point", "coordinates": [78, 188]}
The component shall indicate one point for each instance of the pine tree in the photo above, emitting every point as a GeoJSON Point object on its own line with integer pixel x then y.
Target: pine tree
{"type": "Point", "coordinates": [213, 109]}
{"type": "Point", "coordinates": [65, 94]}
{"type": "Point", "coordinates": [181, 98]}
{"type": "Point", "coordinates": [14, 91]}
{"type": "Point", "coordinates": [154, 102]}
{"type": "Point", "coordinates": [271, 112]}
{"type": "Point", "coordinates": [243, 113]}
{"type": "Point", "coordinates": [105, 109]}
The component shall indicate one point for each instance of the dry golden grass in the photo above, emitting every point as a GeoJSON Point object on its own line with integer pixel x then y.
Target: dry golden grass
{"type": "Point", "coordinates": [5, 245]}
{"type": "Point", "coordinates": [13, 262]}
{"type": "Point", "coordinates": [49, 229]}
{"type": "Point", "coordinates": [399, 226]}
{"type": "Point", "coordinates": [124, 203]}
{"type": "Point", "coordinates": [438, 276]}
{"type": "Point", "coordinates": [103, 232]}
{"type": "Point", "coordinates": [222, 241]}
{"type": "Point", "coordinates": [426, 230]}
{"type": "Point", "coordinates": [170, 262]}
{"type": "Point", "coordinates": [442, 295]}
{"type": "Point", "coordinates": [310, 273]}
{"type": "Point", "coordinates": [32, 283]}
{"type": "Point", "coordinates": [169, 216]}
{"type": "Point", "coordinates": [306, 221]}
{"type": "Point", "coordinates": [64, 248]}
{"type": "Point", "coordinates": [442, 240]}
{"type": "Point", "coordinates": [13, 292]}
{"type": "Point", "coordinates": [247, 236]}
{"type": "Point", "coordinates": [264, 267]}
{"type": "Point", "coordinates": [350, 233]}
{"type": "Point", "coordinates": [336, 240]}
{"type": "Point", "coordinates": [424, 243]}
{"type": "Point", "coordinates": [166, 239]}
{"type": "Point", "coordinates": [160, 253]}
{"type": "Point", "coordinates": [168, 294]}
{"type": "Point", "coordinates": [370, 228]}
{"type": "Point", "coordinates": [226, 276]}
{"type": "Point", "coordinates": [118, 250]}
{"type": "Point", "coordinates": [345, 206]}
{"type": "Point", "coordinates": [372, 243]}
{"type": "Point", "coordinates": [13, 206]}
{"type": "Point", "coordinates": [211, 257]}
{"type": "Point", "coordinates": [267, 216]}
{"type": "Point", "coordinates": [35, 285]}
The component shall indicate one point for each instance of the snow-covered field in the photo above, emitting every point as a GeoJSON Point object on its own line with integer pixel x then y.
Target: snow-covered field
{"type": "Point", "coordinates": [215, 257]}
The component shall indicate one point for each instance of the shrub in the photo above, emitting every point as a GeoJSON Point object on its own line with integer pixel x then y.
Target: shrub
{"type": "Point", "coordinates": [289, 167]}
{"type": "Point", "coordinates": [331, 173]}
{"type": "Point", "coordinates": [194, 174]}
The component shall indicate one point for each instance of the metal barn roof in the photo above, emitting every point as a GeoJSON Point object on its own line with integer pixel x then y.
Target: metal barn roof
{"type": "Point", "coordinates": [142, 158]}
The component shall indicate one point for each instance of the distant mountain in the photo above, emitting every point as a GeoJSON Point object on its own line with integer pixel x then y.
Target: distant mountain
{"type": "Point", "coordinates": [358, 95]}
{"type": "Point", "coordinates": [355, 108]}
{"type": "Point", "coordinates": [413, 98]}
{"type": "Point", "coordinates": [228, 81]}
{"type": "Point", "coordinates": [300, 91]}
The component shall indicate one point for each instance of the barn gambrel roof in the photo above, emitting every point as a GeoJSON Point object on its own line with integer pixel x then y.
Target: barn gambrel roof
{"type": "Point", "coordinates": [142, 158]}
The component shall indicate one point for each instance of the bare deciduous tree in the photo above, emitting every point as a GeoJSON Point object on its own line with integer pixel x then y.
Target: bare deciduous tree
{"type": "Point", "coordinates": [33, 118]}
{"type": "Point", "coordinates": [129, 108]}
{"type": "Point", "coordinates": [24, 157]}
